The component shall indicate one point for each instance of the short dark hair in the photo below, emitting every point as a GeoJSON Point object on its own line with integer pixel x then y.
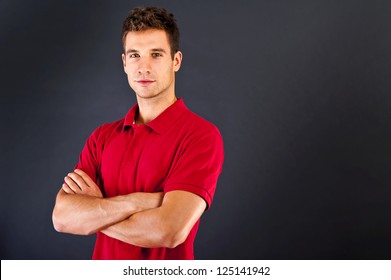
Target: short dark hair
{"type": "Point", "coordinates": [144, 18]}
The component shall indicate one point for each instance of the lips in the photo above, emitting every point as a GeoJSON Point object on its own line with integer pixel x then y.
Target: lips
{"type": "Point", "coordinates": [145, 82]}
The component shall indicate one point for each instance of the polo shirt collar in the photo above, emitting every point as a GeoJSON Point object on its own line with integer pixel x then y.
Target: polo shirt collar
{"type": "Point", "coordinates": [162, 122]}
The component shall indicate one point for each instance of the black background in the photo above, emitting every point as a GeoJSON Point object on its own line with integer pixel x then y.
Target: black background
{"type": "Point", "coordinates": [299, 89]}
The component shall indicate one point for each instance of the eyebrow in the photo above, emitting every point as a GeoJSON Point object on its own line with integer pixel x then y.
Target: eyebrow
{"type": "Point", "coordinates": [159, 50]}
{"type": "Point", "coordinates": [131, 51]}
{"type": "Point", "coordinates": [153, 50]}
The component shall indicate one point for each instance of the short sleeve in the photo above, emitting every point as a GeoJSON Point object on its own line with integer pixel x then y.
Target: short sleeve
{"type": "Point", "coordinates": [198, 167]}
{"type": "Point", "coordinates": [89, 159]}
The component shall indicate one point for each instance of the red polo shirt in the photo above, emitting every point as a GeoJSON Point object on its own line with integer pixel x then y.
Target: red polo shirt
{"type": "Point", "coordinates": [178, 150]}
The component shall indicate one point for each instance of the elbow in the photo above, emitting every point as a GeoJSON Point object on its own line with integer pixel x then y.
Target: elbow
{"type": "Point", "coordinates": [172, 239]}
{"type": "Point", "coordinates": [59, 221]}
{"type": "Point", "coordinates": [57, 224]}
{"type": "Point", "coordinates": [59, 227]}
{"type": "Point", "coordinates": [61, 224]}
{"type": "Point", "coordinates": [174, 243]}
{"type": "Point", "coordinates": [66, 221]}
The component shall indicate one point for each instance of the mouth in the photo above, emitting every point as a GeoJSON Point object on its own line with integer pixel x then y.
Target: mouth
{"type": "Point", "coordinates": [145, 82]}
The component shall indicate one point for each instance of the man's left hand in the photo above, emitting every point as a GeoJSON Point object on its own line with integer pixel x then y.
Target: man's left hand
{"type": "Point", "coordinates": [78, 182]}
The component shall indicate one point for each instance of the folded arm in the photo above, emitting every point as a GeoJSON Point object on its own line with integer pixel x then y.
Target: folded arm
{"type": "Point", "coordinates": [164, 226]}
{"type": "Point", "coordinates": [81, 209]}
{"type": "Point", "coordinates": [142, 219]}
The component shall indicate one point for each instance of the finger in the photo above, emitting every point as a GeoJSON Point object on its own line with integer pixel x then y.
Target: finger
{"type": "Point", "coordinates": [67, 189]}
{"type": "Point", "coordinates": [72, 184]}
{"type": "Point", "coordinates": [87, 179]}
{"type": "Point", "coordinates": [78, 180]}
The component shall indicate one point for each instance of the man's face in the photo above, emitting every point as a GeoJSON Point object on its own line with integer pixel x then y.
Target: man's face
{"type": "Point", "coordinates": [148, 64]}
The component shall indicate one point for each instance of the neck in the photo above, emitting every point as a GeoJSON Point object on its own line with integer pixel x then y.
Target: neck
{"type": "Point", "coordinates": [149, 109]}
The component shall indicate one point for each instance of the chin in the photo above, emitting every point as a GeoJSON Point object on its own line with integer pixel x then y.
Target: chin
{"type": "Point", "coordinates": [146, 95]}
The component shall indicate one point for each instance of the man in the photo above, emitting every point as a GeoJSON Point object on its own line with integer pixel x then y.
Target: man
{"type": "Point", "coordinates": [143, 182]}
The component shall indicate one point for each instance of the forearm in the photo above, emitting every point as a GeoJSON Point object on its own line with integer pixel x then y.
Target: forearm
{"type": "Point", "coordinates": [83, 214]}
{"type": "Point", "coordinates": [165, 226]}
{"type": "Point", "coordinates": [148, 229]}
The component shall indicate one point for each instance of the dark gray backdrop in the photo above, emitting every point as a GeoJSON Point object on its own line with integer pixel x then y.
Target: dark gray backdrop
{"type": "Point", "coordinates": [299, 89]}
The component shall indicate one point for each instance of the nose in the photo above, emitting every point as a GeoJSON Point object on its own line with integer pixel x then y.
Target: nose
{"type": "Point", "coordinates": [144, 66]}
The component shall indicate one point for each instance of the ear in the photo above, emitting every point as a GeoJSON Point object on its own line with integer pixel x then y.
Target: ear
{"type": "Point", "coordinates": [124, 62]}
{"type": "Point", "coordinates": [177, 61]}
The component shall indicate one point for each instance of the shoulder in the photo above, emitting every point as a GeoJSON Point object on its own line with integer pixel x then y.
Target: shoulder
{"type": "Point", "coordinates": [195, 129]}
{"type": "Point", "coordinates": [198, 124]}
{"type": "Point", "coordinates": [107, 129]}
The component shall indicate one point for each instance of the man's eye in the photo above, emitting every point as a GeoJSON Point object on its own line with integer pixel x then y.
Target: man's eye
{"type": "Point", "coordinates": [134, 55]}
{"type": "Point", "coordinates": [156, 54]}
